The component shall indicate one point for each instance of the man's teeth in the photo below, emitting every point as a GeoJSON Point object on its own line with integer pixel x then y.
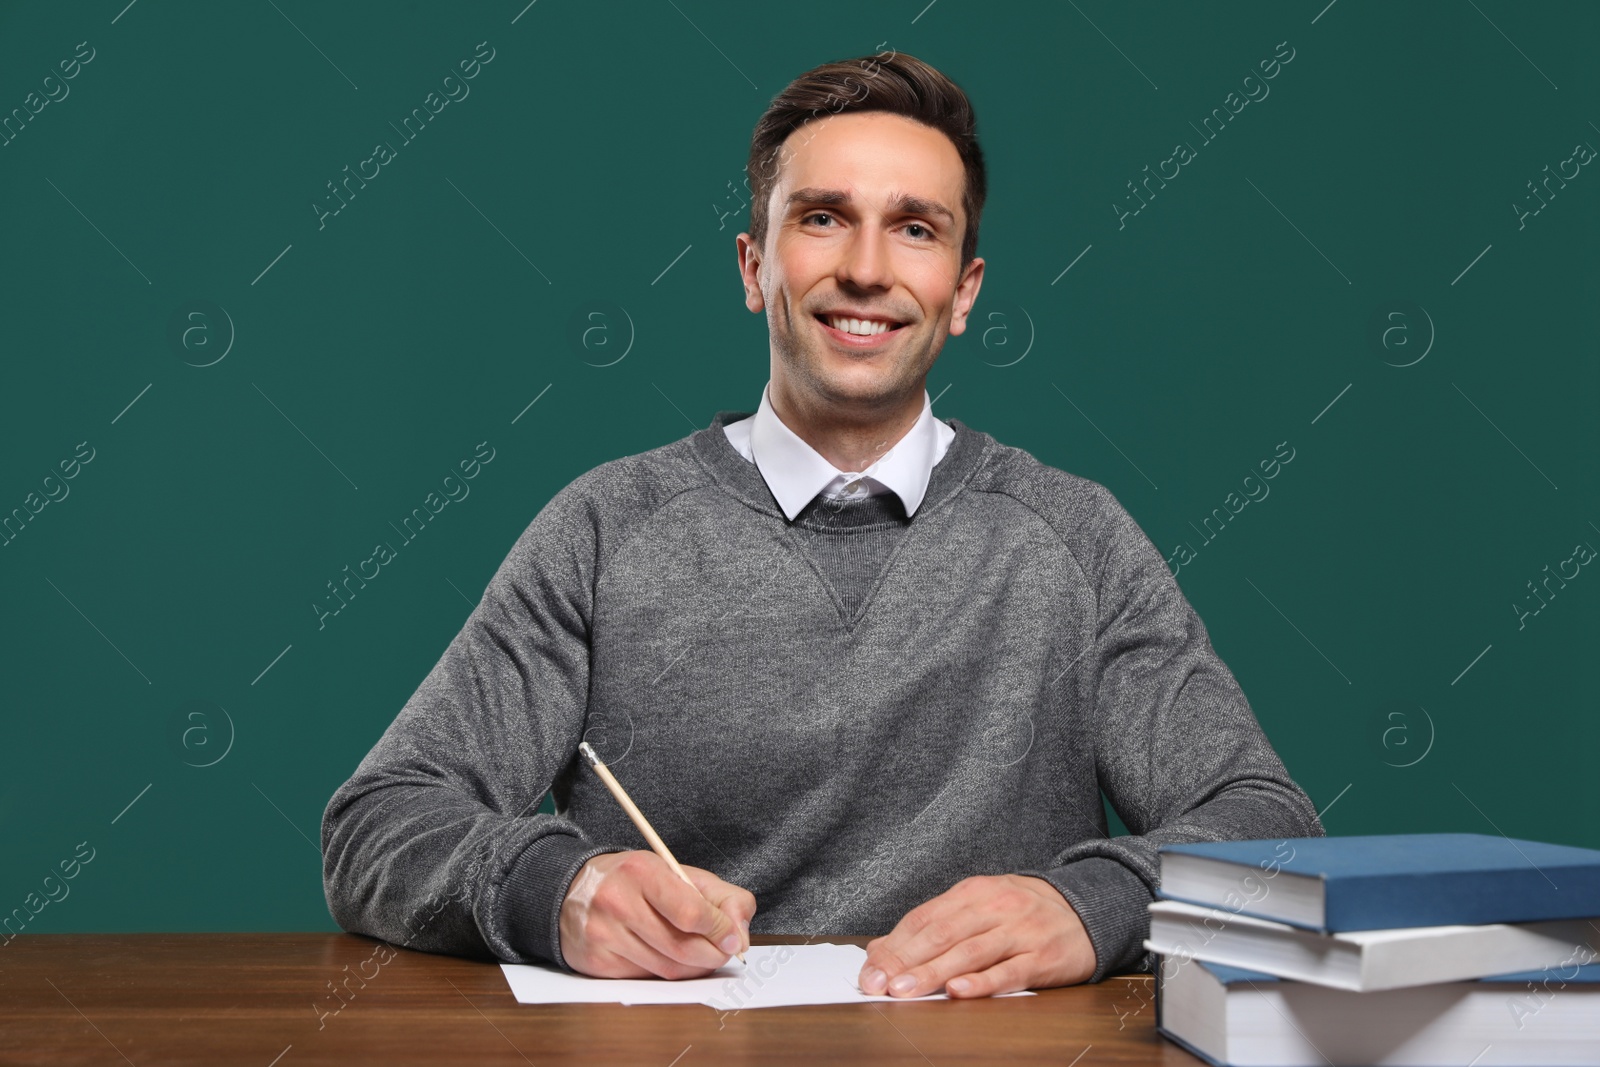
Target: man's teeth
{"type": "Point", "coordinates": [864, 327]}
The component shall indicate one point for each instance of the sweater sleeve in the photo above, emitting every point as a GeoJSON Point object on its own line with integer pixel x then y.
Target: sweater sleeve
{"type": "Point", "coordinates": [1178, 752]}
{"type": "Point", "coordinates": [434, 842]}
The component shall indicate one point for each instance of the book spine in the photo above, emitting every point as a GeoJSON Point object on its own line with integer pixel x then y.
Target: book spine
{"type": "Point", "coordinates": [1378, 902]}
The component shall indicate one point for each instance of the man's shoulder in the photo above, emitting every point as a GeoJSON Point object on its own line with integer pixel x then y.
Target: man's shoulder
{"type": "Point", "coordinates": [1087, 516]}
{"type": "Point", "coordinates": [1059, 496]}
{"type": "Point", "coordinates": [638, 484]}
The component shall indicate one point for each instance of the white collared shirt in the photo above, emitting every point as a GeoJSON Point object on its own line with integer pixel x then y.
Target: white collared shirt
{"type": "Point", "coordinates": [796, 472]}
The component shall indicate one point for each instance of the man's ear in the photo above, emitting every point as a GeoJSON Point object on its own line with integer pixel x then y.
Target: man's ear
{"type": "Point", "coordinates": [966, 296]}
{"type": "Point", "coordinates": [750, 272]}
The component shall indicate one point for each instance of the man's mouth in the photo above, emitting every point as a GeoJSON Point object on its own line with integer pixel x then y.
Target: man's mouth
{"type": "Point", "coordinates": [861, 328]}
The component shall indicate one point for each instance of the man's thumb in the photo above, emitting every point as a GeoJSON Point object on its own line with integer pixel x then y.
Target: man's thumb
{"type": "Point", "coordinates": [726, 932]}
{"type": "Point", "coordinates": [729, 904]}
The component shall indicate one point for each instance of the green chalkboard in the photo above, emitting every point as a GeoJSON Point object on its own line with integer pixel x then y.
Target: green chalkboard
{"type": "Point", "coordinates": [1372, 273]}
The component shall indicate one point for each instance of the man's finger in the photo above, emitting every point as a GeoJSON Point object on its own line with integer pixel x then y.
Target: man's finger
{"type": "Point", "coordinates": [635, 945]}
{"type": "Point", "coordinates": [922, 934]}
{"type": "Point", "coordinates": [738, 903]}
{"type": "Point", "coordinates": [603, 964]}
{"type": "Point", "coordinates": [682, 906]}
{"type": "Point", "coordinates": [1007, 976]}
{"type": "Point", "coordinates": [965, 957]}
{"type": "Point", "coordinates": [688, 948]}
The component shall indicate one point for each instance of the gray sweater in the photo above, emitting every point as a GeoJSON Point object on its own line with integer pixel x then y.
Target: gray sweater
{"type": "Point", "coordinates": [846, 714]}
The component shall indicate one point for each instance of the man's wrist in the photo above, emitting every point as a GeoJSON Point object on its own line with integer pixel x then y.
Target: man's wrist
{"type": "Point", "coordinates": [530, 897]}
{"type": "Point", "coordinates": [1111, 902]}
{"type": "Point", "coordinates": [1078, 953]}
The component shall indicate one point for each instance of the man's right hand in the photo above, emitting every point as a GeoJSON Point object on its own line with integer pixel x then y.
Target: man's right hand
{"type": "Point", "coordinates": [626, 915]}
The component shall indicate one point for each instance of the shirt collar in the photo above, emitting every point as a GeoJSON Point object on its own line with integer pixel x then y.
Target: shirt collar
{"type": "Point", "coordinates": [796, 472]}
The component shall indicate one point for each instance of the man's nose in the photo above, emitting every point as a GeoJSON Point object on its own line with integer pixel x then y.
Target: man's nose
{"type": "Point", "coordinates": [866, 263]}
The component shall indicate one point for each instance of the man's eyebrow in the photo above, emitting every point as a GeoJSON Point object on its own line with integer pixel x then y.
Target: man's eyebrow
{"type": "Point", "coordinates": [905, 203]}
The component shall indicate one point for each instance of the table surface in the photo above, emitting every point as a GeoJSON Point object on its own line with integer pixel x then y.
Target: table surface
{"type": "Point", "coordinates": [268, 1000]}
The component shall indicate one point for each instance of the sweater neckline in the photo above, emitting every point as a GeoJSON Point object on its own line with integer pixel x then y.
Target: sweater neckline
{"type": "Point", "coordinates": [741, 478]}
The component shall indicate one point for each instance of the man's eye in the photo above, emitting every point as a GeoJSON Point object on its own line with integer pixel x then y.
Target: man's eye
{"type": "Point", "coordinates": [919, 226]}
{"type": "Point", "coordinates": [817, 215]}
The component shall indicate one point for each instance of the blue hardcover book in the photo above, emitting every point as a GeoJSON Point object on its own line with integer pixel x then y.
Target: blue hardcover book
{"type": "Point", "coordinates": [1335, 884]}
{"type": "Point", "coordinates": [1233, 1017]}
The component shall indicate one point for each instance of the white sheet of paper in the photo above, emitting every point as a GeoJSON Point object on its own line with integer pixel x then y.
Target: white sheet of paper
{"type": "Point", "coordinates": [772, 976]}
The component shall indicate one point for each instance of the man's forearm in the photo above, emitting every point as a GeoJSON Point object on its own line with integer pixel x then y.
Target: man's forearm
{"type": "Point", "coordinates": [435, 841]}
{"type": "Point", "coordinates": [1111, 881]}
{"type": "Point", "coordinates": [1178, 751]}
{"type": "Point", "coordinates": [426, 867]}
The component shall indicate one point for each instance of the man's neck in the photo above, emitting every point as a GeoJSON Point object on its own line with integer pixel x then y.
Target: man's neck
{"type": "Point", "coordinates": [850, 440]}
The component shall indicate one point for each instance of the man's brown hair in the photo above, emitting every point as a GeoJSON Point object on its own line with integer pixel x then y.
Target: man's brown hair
{"type": "Point", "coordinates": [889, 81]}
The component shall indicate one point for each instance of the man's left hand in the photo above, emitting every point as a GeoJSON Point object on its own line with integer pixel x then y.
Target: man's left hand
{"type": "Point", "coordinates": [984, 936]}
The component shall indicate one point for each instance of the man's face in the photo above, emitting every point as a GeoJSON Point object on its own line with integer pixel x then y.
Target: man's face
{"type": "Point", "coordinates": [864, 221]}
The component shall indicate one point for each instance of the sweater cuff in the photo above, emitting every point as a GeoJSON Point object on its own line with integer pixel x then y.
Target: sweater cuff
{"type": "Point", "coordinates": [534, 889]}
{"type": "Point", "coordinates": [1112, 901]}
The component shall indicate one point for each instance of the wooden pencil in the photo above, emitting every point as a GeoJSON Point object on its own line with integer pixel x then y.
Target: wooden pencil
{"type": "Point", "coordinates": [658, 846]}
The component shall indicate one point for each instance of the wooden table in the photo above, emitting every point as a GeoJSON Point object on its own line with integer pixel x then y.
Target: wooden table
{"type": "Point", "coordinates": [267, 1000]}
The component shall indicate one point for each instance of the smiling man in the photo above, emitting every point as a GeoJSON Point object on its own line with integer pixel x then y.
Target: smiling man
{"type": "Point", "coordinates": [872, 668]}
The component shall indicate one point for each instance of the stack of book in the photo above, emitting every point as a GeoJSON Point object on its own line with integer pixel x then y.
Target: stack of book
{"type": "Point", "coordinates": [1403, 950]}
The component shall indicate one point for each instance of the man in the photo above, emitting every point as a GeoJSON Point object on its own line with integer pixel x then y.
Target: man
{"type": "Point", "coordinates": [872, 668]}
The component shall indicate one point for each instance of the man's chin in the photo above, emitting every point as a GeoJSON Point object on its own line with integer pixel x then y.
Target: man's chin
{"type": "Point", "coordinates": [862, 390]}
{"type": "Point", "coordinates": [862, 380]}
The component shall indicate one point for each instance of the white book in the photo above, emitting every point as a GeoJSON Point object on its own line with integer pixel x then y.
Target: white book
{"type": "Point", "coordinates": [1365, 960]}
{"type": "Point", "coordinates": [1242, 1018]}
